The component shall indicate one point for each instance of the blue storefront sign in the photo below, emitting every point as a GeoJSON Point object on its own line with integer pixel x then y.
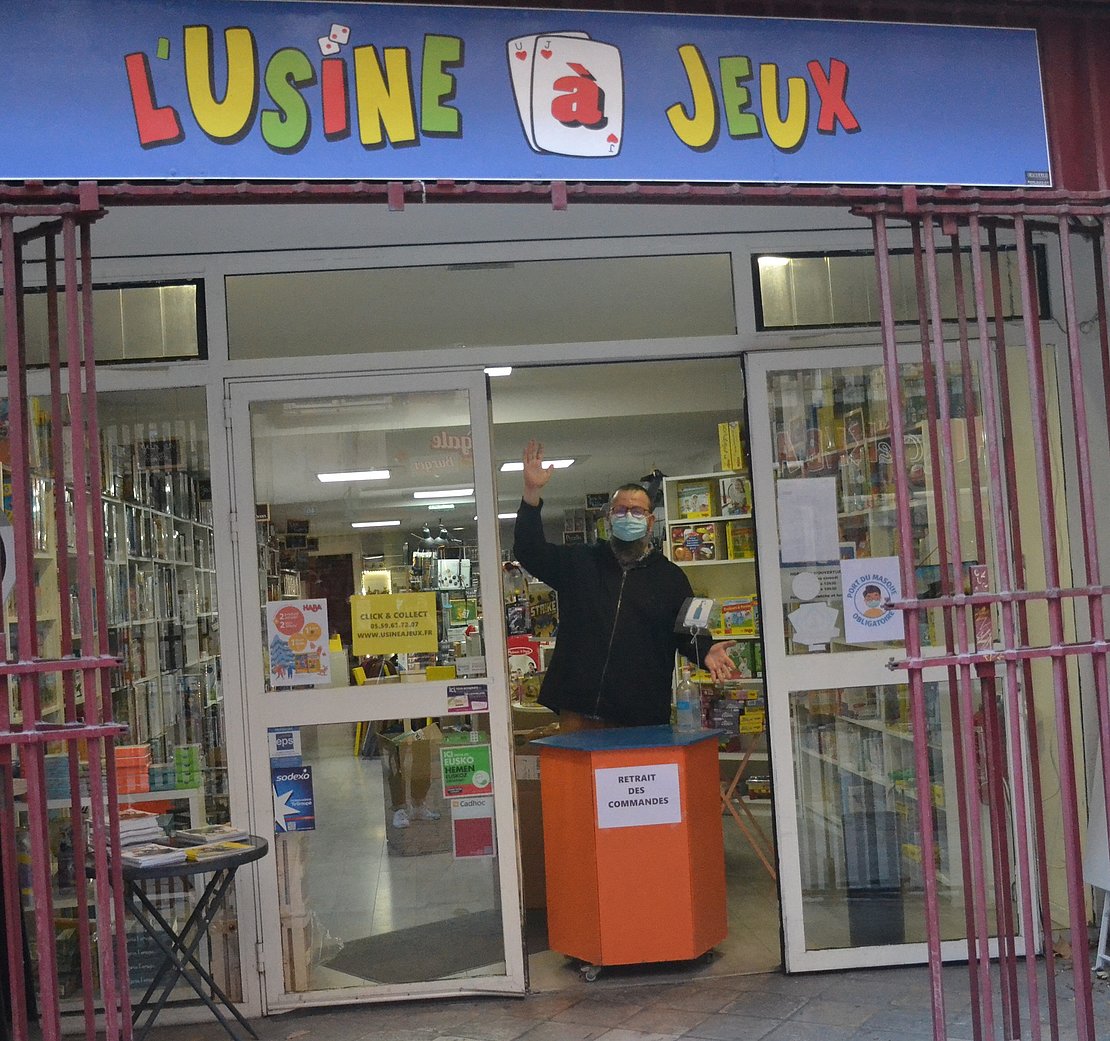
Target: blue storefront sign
{"type": "Point", "coordinates": [132, 89]}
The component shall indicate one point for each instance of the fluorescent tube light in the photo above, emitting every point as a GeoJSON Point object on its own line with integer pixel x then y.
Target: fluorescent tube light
{"type": "Point", "coordinates": [440, 505]}
{"type": "Point", "coordinates": [354, 475]}
{"type": "Point", "coordinates": [448, 493]}
{"type": "Point", "coordinates": [506, 516]}
{"type": "Point", "coordinates": [376, 524]}
{"type": "Point", "coordinates": [499, 370]}
{"type": "Point", "coordinates": [518, 465]}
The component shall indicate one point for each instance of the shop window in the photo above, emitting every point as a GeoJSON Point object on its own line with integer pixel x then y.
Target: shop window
{"type": "Point", "coordinates": [817, 290]}
{"type": "Point", "coordinates": [132, 323]}
{"type": "Point", "coordinates": [368, 310]}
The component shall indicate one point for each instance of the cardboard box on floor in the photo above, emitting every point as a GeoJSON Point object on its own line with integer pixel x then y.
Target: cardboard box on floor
{"type": "Point", "coordinates": [409, 761]}
{"type": "Point", "coordinates": [529, 722]}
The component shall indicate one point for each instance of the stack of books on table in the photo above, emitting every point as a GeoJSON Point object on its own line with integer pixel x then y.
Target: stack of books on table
{"type": "Point", "coordinates": [152, 854]}
{"type": "Point", "coordinates": [205, 834]}
{"type": "Point", "coordinates": [137, 827]}
{"type": "Point", "coordinates": [213, 850]}
{"type": "Point", "coordinates": [210, 841]}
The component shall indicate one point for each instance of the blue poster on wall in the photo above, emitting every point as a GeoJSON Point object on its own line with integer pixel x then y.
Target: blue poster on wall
{"type": "Point", "coordinates": [218, 89]}
{"type": "Point", "coordinates": [294, 805]}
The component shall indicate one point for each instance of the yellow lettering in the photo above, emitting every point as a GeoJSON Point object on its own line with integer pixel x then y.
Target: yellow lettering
{"type": "Point", "coordinates": [786, 133]}
{"type": "Point", "coordinates": [384, 97]}
{"type": "Point", "coordinates": [229, 119]}
{"type": "Point", "coordinates": [698, 131]}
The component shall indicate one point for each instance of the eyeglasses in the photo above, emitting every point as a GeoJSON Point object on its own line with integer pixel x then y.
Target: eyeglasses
{"type": "Point", "coordinates": [623, 511]}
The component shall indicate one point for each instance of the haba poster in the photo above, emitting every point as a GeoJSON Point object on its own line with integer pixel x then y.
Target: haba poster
{"type": "Point", "coordinates": [869, 585]}
{"type": "Point", "coordinates": [405, 623]}
{"type": "Point", "coordinates": [297, 638]}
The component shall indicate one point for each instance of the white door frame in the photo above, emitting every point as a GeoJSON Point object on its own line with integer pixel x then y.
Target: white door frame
{"type": "Point", "coordinates": [347, 704]}
{"type": "Point", "coordinates": [785, 674]}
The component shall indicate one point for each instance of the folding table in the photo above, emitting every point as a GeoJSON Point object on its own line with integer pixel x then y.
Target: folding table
{"type": "Point", "coordinates": [179, 946]}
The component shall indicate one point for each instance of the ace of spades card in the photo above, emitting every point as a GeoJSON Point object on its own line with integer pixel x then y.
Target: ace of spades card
{"type": "Point", "coordinates": [575, 100]}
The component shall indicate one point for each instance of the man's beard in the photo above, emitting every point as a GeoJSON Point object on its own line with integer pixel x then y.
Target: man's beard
{"type": "Point", "coordinates": [630, 552]}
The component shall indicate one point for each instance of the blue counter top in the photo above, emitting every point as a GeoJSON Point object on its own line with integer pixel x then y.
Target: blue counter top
{"type": "Point", "coordinates": [620, 739]}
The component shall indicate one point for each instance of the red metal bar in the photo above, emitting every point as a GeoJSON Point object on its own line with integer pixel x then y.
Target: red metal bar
{"type": "Point", "coordinates": [1091, 561]}
{"type": "Point", "coordinates": [65, 622]}
{"type": "Point", "coordinates": [996, 758]}
{"type": "Point", "coordinates": [100, 683]}
{"type": "Point", "coordinates": [13, 908]}
{"type": "Point", "coordinates": [1020, 577]}
{"type": "Point", "coordinates": [971, 815]}
{"type": "Point", "coordinates": [1066, 751]}
{"type": "Point", "coordinates": [31, 757]}
{"type": "Point", "coordinates": [913, 631]}
{"type": "Point", "coordinates": [86, 722]}
{"type": "Point", "coordinates": [991, 409]}
{"type": "Point", "coordinates": [931, 407]}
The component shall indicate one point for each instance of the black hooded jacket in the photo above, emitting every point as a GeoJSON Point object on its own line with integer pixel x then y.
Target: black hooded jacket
{"type": "Point", "coordinates": [614, 653]}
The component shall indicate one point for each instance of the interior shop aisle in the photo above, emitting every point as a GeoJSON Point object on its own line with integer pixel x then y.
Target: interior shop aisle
{"type": "Point", "coordinates": [861, 1005]}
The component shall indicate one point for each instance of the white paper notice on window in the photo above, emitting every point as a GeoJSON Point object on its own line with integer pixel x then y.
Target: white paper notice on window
{"type": "Point", "coordinates": [807, 520]}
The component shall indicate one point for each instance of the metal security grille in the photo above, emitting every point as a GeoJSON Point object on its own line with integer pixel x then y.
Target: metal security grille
{"type": "Point", "coordinates": [1021, 601]}
{"type": "Point", "coordinates": [66, 465]}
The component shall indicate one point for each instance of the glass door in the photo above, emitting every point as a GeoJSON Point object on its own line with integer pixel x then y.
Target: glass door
{"type": "Point", "coordinates": [376, 705]}
{"type": "Point", "coordinates": [842, 741]}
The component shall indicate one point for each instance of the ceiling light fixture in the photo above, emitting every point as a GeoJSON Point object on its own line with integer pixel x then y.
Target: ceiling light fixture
{"type": "Point", "coordinates": [440, 505]}
{"type": "Point", "coordinates": [505, 516]}
{"type": "Point", "coordinates": [376, 524]}
{"type": "Point", "coordinates": [499, 370]}
{"type": "Point", "coordinates": [517, 465]}
{"type": "Point", "coordinates": [447, 493]}
{"type": "Point", "coordinates": [354, 475]}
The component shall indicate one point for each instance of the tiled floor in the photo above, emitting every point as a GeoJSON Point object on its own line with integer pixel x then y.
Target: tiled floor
{"type": "Point", "coordinates": [865, 1005]}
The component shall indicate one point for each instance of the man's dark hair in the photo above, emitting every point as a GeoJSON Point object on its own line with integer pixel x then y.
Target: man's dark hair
{"type": "Point", "coordinates": [631, 487]}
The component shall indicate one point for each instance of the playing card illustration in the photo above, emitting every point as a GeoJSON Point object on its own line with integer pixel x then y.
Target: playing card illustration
{"type": "Point", "coordinates": [569, 91]}
{"type": "Point", "coordinates": [521, 53]}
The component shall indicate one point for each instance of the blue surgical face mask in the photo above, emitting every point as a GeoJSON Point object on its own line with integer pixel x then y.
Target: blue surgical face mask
{"type": "Point", "coordinates": [629, 528]}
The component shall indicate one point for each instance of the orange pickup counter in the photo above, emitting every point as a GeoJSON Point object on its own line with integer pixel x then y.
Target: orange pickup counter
{"type": "Point", "coordinates": [633, 846]}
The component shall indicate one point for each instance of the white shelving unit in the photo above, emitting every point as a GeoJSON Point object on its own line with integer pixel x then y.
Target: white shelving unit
{"type": "Point", "coordinates": [716, 549]}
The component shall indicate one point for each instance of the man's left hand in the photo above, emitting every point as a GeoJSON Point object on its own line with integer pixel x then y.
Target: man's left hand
{"type": "Point", "coordinates": [718, 662]}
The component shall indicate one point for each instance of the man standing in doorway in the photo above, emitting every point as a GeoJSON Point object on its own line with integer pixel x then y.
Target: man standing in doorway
{"type": "Point", "coordinates": [619, 602]}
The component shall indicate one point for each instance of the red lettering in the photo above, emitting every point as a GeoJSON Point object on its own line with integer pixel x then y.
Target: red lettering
{"type": "Point", "coordinates": [335, 97]}
{"type": "Point", "coordinates": [580, 102]}
{"type": "Point", "coordinates": [156, 125]}
{"type": "Point", "coordinates": [831, 90]}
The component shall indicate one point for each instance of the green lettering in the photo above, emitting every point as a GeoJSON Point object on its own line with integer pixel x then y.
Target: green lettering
{"type": "Point", "coordinates": [438, 86]}
{"type": "Point", "coordinates": [735, 98]}
{"type": "Point", "coordinates": [285, 129]}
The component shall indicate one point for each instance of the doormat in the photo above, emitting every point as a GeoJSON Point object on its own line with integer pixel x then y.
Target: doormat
{"type": "Point", "coordinates": [428, 952]}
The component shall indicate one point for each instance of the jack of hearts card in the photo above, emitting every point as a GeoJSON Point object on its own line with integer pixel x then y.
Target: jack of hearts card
{"type": "Point", "coordinates": [577, 103]}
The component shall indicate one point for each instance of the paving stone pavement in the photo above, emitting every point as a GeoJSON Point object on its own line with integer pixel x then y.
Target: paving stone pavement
{"type": "Point", "coordinates": [864, 1005]}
